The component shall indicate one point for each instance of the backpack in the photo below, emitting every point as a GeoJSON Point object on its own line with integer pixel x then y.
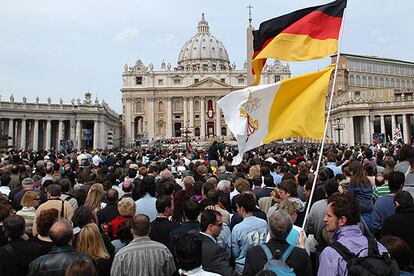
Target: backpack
{"type": "Point", "coordinates": [278, 266]}
{"type": "Point", "coordinates": [373, 264]}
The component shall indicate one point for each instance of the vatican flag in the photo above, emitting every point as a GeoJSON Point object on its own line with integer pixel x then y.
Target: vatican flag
{"type": "Point", "coordinates": [293, 107]}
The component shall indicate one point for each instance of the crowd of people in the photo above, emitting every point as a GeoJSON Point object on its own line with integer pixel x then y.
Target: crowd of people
{"type": "Point", "coordinates": [155, 211]}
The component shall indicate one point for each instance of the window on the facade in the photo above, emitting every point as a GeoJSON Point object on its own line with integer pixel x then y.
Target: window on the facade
{"type": "Point", "coordinates": [241, 80]}
{"type": "Point", "coordinates": [196, 105]}
{"type": "Point", "coordinates": [223, 131]}
{"type": "Point", "coordinates": [277, 78]}
{"type": "Point", "coordinates": [177, 81]}
{"type": "Point", "coordinates": [364, 81]}
{"type": "Point", "coordinates": [223, 80]}
{"type": "Point", "coordinates": [357, 93]}
{"type": "Point", "coordinates": [358, 80]}
{"type": "Point", "coordinates": [178, 105]}
{"type": "Point", "coordinates": [210, 105]}
{"type": "Point", "coordinates": [351, 80]}
{"type": "Point", "coordinates": [140, 106]}
{"type": "Point", "coordinates": [138, 80]}
{"type": "Point", "coordinates": [381, 82]}
{"type": "Point", "coordinates": [160, 82]}
{"type": "Point", "coordinates": [197, 116]}
{"type": "Point", "coordinates": [375, 82]}
{"type": "Point", "coordinates": [195, 80]}
{"type": "Point", "coordinates": [197, 131]}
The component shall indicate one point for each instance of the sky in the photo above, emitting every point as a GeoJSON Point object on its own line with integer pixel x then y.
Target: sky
{"type": "Point", "coordinates": [53, 48]}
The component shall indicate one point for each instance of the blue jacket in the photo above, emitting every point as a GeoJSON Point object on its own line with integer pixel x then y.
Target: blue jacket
{"type": "Point", "coordinates": [248, 233]}
{"type": "Point", "coordinates": [364, 196]}
{"type": "Point", "coordinates": [383, 208]}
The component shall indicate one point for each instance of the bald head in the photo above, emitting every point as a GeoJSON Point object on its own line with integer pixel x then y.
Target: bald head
{"type": "Point", "coordinates": [61, 232]}
{"type": "Point", "coordinates": [141, 225]}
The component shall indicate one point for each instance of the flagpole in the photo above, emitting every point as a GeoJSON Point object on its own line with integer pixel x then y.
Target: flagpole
{"type": "Point", "coordinates": [326, 124]}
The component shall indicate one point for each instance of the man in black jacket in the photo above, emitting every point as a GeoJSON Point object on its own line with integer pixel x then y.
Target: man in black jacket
{"type": "Point", "coordinates": [110, 212]}
{"type": "Point", "coordinates": [18, 253]}
{"type": "Point", "coordinates": [61, 256]}
{"type": "Point", "coordinates": [402, 223]}
{"type": "Point", "coordinates": [280, 225]}
{"type": "Point", "coordinates": [161, 227]}
{"type": "Point", "coordinates": [214, 259]}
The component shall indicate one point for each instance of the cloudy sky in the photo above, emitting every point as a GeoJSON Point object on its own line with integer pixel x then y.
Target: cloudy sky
{"type": "Point", "coordinates": [65, 48]}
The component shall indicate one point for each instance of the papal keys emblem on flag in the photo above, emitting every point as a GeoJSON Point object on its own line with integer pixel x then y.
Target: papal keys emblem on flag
{"type": "Point", "coordinates": [251, 105]}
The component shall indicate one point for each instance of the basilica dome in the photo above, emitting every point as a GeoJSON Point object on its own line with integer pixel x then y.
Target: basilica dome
{"type": "Point", "coordinates": [203, 51]}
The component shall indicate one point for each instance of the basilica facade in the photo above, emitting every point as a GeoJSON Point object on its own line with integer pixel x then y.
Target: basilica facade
{"type": "Point", "coordinates": [179, 100]}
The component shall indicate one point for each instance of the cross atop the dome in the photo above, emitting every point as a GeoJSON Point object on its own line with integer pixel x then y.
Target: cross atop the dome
{"type": "Point", "coordinates": [250, 7]}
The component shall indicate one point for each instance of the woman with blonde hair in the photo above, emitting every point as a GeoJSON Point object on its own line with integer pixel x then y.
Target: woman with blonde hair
{"type": "Point", "coordinates": [90, 242]}
{"type": "Point", "coordinates": [126, 209]}
{"type": "Point", "coordinates": [30, 201]}
{"type": "Point", "coordinates": [95, 196]}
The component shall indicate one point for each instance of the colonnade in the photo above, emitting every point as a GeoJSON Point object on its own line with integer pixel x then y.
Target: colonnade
{"type": "Point", "coordinates": [37, 134]}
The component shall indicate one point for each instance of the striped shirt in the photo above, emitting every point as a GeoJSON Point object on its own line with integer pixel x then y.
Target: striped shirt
{"type": "Point", "coordinates": [143, 256]}
{"type": "Point", "coordinates": [381, 191]}
{"type": "Point", "coordinates": [28, 213]}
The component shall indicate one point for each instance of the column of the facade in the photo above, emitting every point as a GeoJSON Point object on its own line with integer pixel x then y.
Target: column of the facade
{"type": "Point", "coordinates": [78, 134]}
{"type": "Point", "coordinates": [382, 123]}
{"type": "Point", "coordinates": [72, 134]}
{"type": "Point", "coordinates": [16, 137]}
{"type": "Point", "coordinates": [10, 141]}
{"type": "Point", "coordinates": [202, 119]}
{"type": "Point", "coordinates": [393, 125]}
{"type": "Point", "coordinates": [169, 118]}
{"type": "Point", "coordinates": [405, 129]}
{"type": "Point", "coordinates": [23, 135]}
{"type": "Point", "coordinates": [60, 133]}
{"type": "Point", "coordinates": [95, 134]}
{"type": "Point", "coordinates": [129, 134]}
{"type": "Point", "coordinates": [48, 134]}
{"type": "Point", "coordinates": [151, 117]}
{"type": "Point", "coordinates": [103, 135]}
{"type": "Point", "coordinates": [350, 131]}
{"type": "Point", "coordinates": [332, 132]}
{"type": "Point", "coordinates": [191, 116]}
{"type": "Point", "coordinates": [371, 125]}
{"type": "Point", "coordinates": [185, 110]}
{"type": "Point", "coordinates": [218, 119]}
{"type": "Point", "coordinates": [36, 135]}
{"type": "Point", "coordinates": [367, 131]}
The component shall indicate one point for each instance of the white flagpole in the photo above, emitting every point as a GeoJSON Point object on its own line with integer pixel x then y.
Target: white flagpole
{"type": "Point", "coordinates": [326, 123]}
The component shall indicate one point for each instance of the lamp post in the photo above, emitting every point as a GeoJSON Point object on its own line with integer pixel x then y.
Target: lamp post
{"type": "Point", "coordinates": [338, 126]}
{"type": "Point", "coordinates": [186, 130]}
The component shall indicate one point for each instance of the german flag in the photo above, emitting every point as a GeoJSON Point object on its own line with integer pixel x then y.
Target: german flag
{"type": "Point", "coordinates": [306, 34]}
